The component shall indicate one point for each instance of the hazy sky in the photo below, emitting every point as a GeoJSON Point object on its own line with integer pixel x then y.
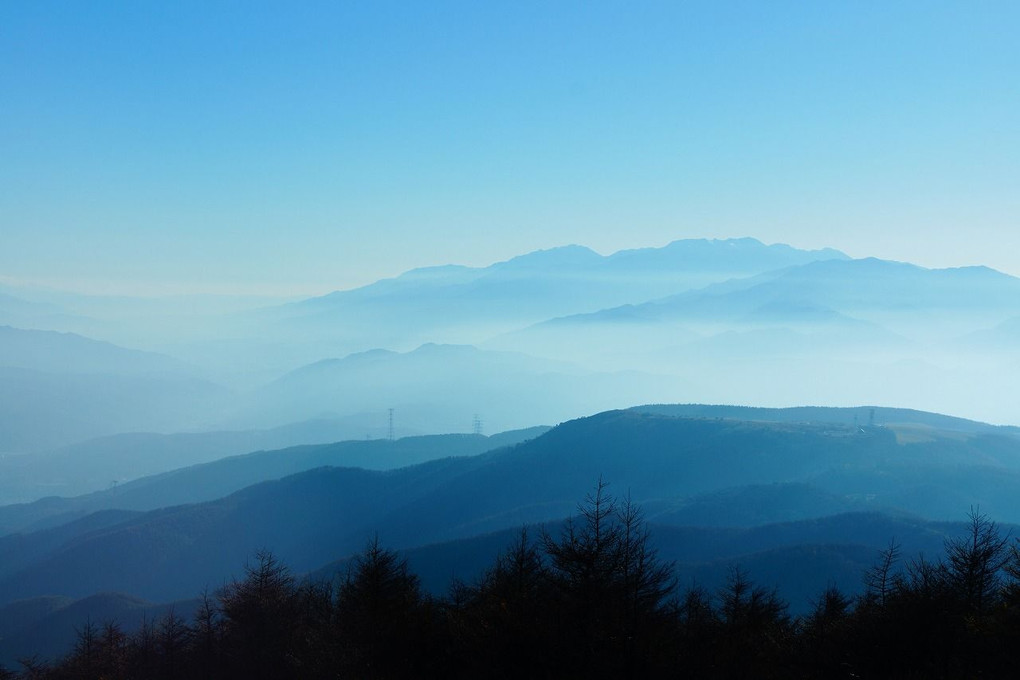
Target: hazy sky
{"type": "Point", "coordinates": [302, 147]}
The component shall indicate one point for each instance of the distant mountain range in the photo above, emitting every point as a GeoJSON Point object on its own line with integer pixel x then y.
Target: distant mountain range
{"type": "Point", "coordinates": [569, 277]}
{"type": "Point", "coordinates": [869, 288]}
{"type": "Point", "coordinates": [836, 294]}
{"type": "Point", "coordinates": [542, 337]}
{"type": "Point", "coordinates": [878, 330]}
{"type": "Point", "coordinates": [467, 305]}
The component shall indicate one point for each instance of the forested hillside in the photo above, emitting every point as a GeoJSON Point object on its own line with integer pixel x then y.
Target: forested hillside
{"type": "Point", "coordinates": [590, 600]}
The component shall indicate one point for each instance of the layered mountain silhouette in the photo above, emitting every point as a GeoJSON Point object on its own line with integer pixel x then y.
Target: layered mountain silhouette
{"type": "Point", "coordinates": [551, 282]}
{"type": "Point", "coordinates": [730, 321]}
{"type": "Point", "coordinates": [883, 331]}
{"type": "Point", "coordinates": [151, 475]}
{"type": "Point", "coordinates": [673, 464]}
{"type": "Point", "coordinates": [840, 294]}
{"type": "Point", "coordinates": [454, 304]}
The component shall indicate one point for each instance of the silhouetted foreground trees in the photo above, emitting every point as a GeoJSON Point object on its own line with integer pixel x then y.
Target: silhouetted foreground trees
{"type": "Point", "coordinates": [594, 601]}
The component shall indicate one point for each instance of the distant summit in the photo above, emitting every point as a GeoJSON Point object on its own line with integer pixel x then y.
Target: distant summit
{"type": "Point", "coordinates": [735, 254]}
{"type": "Point", "coordinates": [729, 257]}
{"type": "Point", "coordinates": [562, 257]}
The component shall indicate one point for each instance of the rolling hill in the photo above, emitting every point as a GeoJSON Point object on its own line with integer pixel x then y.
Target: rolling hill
{"type": "Point", "coordinates": [212, 480]}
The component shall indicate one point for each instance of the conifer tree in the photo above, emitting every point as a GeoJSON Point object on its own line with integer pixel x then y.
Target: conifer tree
{"type": "Point", "coordinates": [378, 611]}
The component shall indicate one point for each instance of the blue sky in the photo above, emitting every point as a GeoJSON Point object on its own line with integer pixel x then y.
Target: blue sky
{"type": "Point", "coordinates": [260, 147]}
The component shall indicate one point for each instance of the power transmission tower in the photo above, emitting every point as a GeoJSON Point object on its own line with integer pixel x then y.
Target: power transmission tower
{"type": "Point", "coordinates": [391, 426]}
{"type": "Point", "coordinates": [476, 424]}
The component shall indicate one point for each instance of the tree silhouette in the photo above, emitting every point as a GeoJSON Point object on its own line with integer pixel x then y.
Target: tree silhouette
{"type": "Point", "coordinates": [879, 581]}
{"type": "Point", "coordinates": [609, 587]}
{"type": "Point", "coordinates": [205, 639]}
{"type": "Point", "coordinates": [824, 635]}
{"type": "Point", "coordinates": [755, 630]}
{"type": "Point", "coordinates": [504, 627]}
{"type": "Point", "coordinates": [975, 563]}
{"type": "Point", "coordinates": [378, 616]}
{"type": "Point", "coordinates": [258, 618]}
{"type": "Point", "coordinates": [173, 638]}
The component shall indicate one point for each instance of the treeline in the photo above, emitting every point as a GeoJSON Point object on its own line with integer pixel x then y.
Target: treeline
{"type": "Point", "coordinates": [594, 601]}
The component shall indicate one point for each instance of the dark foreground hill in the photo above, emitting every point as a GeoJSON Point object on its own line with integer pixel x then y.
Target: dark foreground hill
{"type": "Point", "coordinates": [791, 557]}
{"type": "Point", "coordinates": [591, 598]}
